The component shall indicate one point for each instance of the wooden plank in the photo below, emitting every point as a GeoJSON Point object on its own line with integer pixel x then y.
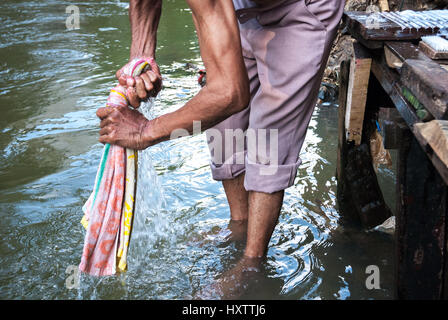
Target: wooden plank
{"type": "Point", "coordinates": [396, 52]}
{"type": "Point", "coordinates": [429, 84]}
{"type": "Point", "coordinates": [393, 61]}
{"type": "Point", "coordinates": [354, 30]}
{"type": "Point", "coordinates": [435, 133]}
{"type": "Point", "coordinates": [357, 93]}
{"type": "Point", "coordinates": [433, 137]}
{"type": "Point", "coordinates": [373, 45]}
{"type": "Point", "coordinates": [431, 53]}
{"type": "Point", "coordinates": [359, 23]}
{"type": "Point", "coordinates": [364, 25]}
{"type": "Point", "coordinates": [384, 5]}
{"type": "Point", "coordinates": [390, 81]}
{"type": "Point", "coordinates": [420, 224]}
{"type": "Point", "coordinates": [405, 50]}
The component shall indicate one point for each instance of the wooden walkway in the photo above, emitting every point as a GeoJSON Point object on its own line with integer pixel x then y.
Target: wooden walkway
{"type": "Point", "coordinates": [391, 82]}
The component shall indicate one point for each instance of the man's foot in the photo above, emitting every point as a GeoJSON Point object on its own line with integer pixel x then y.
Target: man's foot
{"type": "Point", "coordinates": [234, 283]}
{"type": "Point", "coordinates": [236, 231]}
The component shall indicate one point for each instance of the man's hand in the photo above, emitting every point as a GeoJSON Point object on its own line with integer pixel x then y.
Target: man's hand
{"type": "Point", "coordinates": [123, 126]}
{"type": "Point", "coordinates": [139, 88]}
{"type": "Point", "coordinates": [226, 91]}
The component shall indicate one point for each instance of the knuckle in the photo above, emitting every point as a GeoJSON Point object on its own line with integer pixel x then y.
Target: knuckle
{"type": "Point", "coordinates": [114, 117]}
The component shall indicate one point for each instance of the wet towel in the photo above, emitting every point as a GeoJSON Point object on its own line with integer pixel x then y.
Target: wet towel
{"type": "Point", "coordinates": [108, 212]}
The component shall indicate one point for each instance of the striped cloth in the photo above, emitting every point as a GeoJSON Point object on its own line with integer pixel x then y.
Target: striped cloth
{"type": "Point", "coordinates": [108, 213]}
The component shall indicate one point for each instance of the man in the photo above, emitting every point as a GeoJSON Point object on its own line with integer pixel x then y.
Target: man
{"type": "Point", "coordinates": [263, 76]}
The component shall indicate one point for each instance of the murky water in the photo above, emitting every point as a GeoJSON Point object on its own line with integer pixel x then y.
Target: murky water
{"type": "Point", "coordinates": [51, 82]}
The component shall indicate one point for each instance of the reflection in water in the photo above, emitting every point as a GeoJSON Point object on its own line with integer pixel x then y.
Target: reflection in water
{"type": "Point", "coordinates": [51, 83]}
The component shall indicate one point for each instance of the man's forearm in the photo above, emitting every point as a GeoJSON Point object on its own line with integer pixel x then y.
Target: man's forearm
{"type": "Point", "coordinates": [209, 107]}
{"type": "Point", "coordinates": [144, 16]}
{"type": "Point", "coordinates": [227, 88]}
{"type": "Point", "coordinates": [226, 91]}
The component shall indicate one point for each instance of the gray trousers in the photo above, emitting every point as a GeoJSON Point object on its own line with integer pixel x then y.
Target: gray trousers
{"type": "Point", "coordinates": [285, 50]}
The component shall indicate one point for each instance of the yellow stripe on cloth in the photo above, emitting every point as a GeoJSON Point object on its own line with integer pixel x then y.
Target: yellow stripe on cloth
{"type": "Point", "coordinates": [140, 69]}
{"type": "Point", "coordinates": [84, 222]}
{"type": "Point", "coordinates": [119, 93]}
{"type": "Point", "coordinates": [128, 208]}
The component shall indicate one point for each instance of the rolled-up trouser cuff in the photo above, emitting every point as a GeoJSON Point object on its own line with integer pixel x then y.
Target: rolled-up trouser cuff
{"type": "Point", "coordinates": [229, 169]}
{"type": "Point", "coordinates": [270, 178]}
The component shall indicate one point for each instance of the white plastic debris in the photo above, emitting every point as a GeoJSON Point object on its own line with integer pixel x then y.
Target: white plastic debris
{"type": "Point", "coordinates": [387, 226]}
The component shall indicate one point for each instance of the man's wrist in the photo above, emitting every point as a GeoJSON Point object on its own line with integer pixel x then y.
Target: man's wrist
{"type": "Point", "coordinates": [148, 135]}
{"type": "Point", "coordinates": [141, 52]}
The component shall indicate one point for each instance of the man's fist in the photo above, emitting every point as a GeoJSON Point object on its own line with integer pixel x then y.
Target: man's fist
{"type": "Point", "coordinates": [123, 126]}
{"type": "Point", "coordinates": [141, 87]}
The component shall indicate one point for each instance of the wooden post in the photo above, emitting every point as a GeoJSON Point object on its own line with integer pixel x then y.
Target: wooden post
{"type": "Point", "coordinates": [366, 196]}
{"type": "Point", "coordinates": [357, 93]}
{"type": "Point", "coordinates": [343, 193]}
{"type": "Point", "coordinates": [420, 224]}
{"type": "Point", "coordinates": [359, 195]}
{"type": "Point", "coordinates": [433, 136]}
{"type": "Point", "coordinates": [384, 5]}
{"type": "Point", "coordinates": [342, 98]}
{"type": "Point", "coordinates": [392, 126]}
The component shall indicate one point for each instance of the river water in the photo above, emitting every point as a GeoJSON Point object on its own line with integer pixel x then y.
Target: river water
{"type": "Point", "coordinates": [52, 80]}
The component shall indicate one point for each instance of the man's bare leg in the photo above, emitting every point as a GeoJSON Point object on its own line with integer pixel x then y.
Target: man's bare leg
{"type": "Point", "coordinates": [264, 209]}
{"type": "Point", "coordinates": [238, 199]}
{"type": "Point", "coordinates": [256, 212]}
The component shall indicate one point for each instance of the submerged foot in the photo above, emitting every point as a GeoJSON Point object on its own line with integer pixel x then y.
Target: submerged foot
{"type": "Point", "coordinates": [236, 231]}
{"type": "Point", "coordinates": [236, 282]}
